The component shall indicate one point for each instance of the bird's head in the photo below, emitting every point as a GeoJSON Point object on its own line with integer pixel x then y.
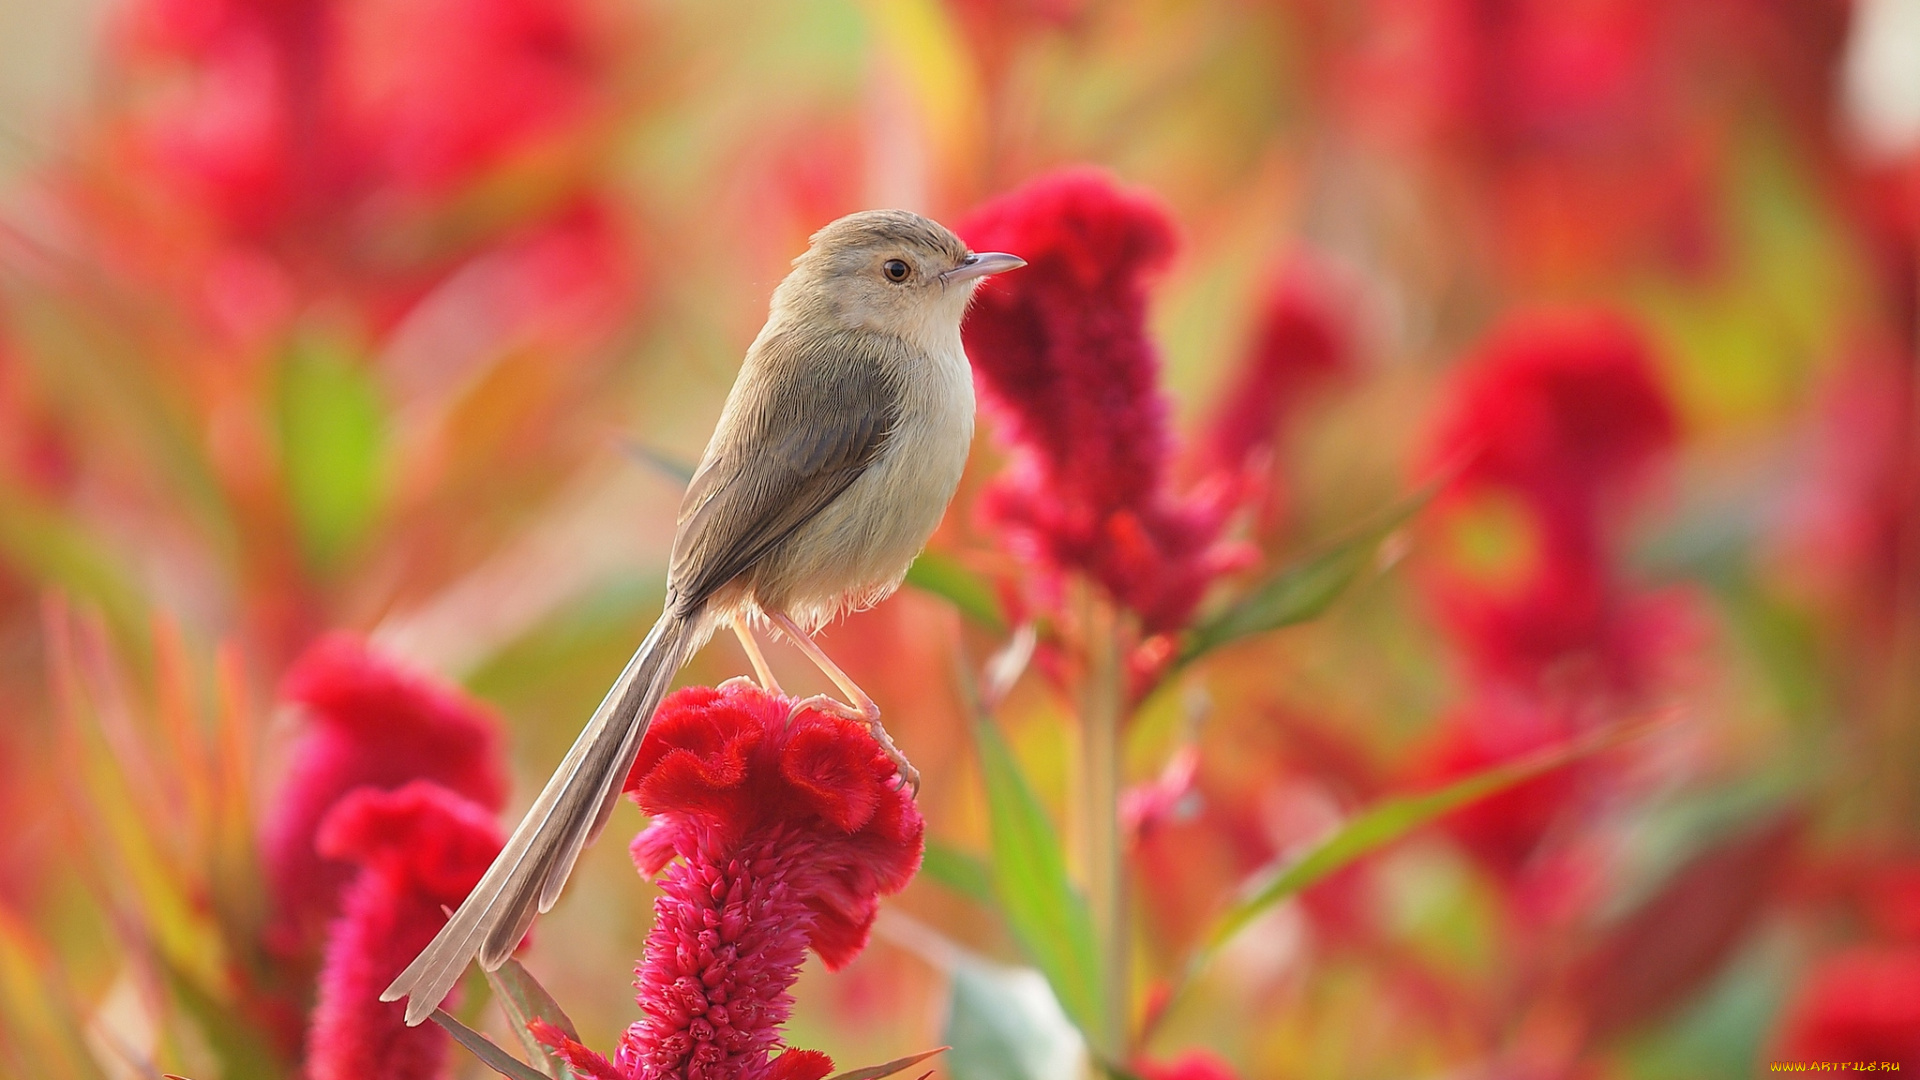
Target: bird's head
{"type": "Point", "coordinates": [889, 270]}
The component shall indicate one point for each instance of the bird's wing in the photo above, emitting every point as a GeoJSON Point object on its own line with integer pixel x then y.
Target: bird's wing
{"type": "Point", "coordinates": [778, 462]}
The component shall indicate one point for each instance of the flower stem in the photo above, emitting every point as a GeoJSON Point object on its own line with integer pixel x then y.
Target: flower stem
{"type": "Point", "coordinates": [1101, 704]}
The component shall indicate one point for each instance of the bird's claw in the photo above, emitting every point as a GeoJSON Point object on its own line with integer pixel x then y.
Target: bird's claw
{"type": "Point", "coordinates": [905, 774]}
{"type": "Point", "coordinates": [826, 704]}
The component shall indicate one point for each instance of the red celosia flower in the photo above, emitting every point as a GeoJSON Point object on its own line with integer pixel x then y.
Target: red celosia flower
{"type": "Point", "coordinates": [1062, 354]}
{"type": "Point", "coordinates": [1504, 830]}
{"type": "Point", "coordinates": [1568, 408]}
{"type": "Point", "coordinates": [1891, 895]}
{"type": "Point", "coordinates": [1301, 341]}
{"type": "Point", "coordinates": [1850, 518]}
{"type": "Point", "coordinates": [1514, 75]}
{"type": "Point", "coordinates": [1556, 420]}
{"type": "Point", "coordinates": [504, 77]}
{"type": "Point", "coordinates": [286, 148]}
{"type": "Point", "coordinates": [781, 835]}
{"type": "Point", "coordinates": [369, 724]}
{"type": "Point", "coordinates": [1552, 426]}
{"type": "Point", "coordinates": [284, 111]}
{"type": "Point", "coordinates": [1859, 1005]}
{"type": "Point", "coordinates": [1573, 116]}
{"type": "Point", "coordinates": [420, 848]}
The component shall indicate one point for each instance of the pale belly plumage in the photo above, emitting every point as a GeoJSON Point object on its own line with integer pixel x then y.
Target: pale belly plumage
{"type": "Point", "coordinates": [855, 552]}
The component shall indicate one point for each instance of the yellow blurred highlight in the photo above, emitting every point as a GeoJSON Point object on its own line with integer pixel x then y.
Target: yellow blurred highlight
{"type": "Point", "coordinates": [1492, 541]}
{"type": "Point", "coordinates": [918, 42]}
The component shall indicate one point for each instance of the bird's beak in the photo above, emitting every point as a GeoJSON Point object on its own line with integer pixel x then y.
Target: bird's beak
{"type": "Point", "coordinates": [980, 264]}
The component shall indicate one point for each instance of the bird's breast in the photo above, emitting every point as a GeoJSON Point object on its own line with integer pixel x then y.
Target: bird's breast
{"type": "Point", "coordinates": [856, 550]}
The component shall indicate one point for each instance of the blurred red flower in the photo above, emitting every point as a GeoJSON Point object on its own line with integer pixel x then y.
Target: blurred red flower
{"type": "Point", "coordinates": [1554, 424]}
{"type": "Point", "coordinates": [504, 77]}
{"type": "Point", "coordinates": [421, 848]}
{"type": "Point", "coordinates": [1572, 118]}
{"type": "Point", "coordinates": [1862, 1004]}
{"type": "Point", "coordinates": [270, 116]}
{"type": "Point", "coordinates": [1062, 355]}
{"type": "Point", "coordinates": [1193, 1065]}
{"type": "Point", "coordinates": [369, 723]}
{"type": "Point", "coordinates": [777, 834]}
{"type": "Point", "coordinates": [1504, 831]}
{"type": "Point", "coordinates": [1891, 894]}
{"type": "Point", "coordinates": [1567, 408]}
{"type": "Point", "coordinates": [290, 151]}
{"type": "Point", "coordinates": [1848, 529]}
{"type": "Point", "coordinates": [1303, 340]}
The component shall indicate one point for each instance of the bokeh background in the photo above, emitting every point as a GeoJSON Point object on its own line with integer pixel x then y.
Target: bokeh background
{"type": "Point", "coordinates": [402, 317]}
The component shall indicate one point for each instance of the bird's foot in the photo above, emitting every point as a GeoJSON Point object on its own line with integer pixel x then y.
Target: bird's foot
{"type": "Point", "coordinates": [908, 775]}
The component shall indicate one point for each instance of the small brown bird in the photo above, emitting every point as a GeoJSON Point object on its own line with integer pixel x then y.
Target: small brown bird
{"type": "Point", "coordinates": [836, 454]}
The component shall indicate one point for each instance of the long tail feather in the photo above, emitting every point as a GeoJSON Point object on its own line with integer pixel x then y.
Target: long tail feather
{"type": "Point", "coordinates": [526, 878]}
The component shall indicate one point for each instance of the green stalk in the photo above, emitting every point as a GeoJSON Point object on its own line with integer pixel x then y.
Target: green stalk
{"type": "Point", "coordinates": [1102, 702]}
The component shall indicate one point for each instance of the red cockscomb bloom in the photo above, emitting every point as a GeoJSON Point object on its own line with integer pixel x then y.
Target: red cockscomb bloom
{"type": "Point", "coordinates": [369, 724]}
{"type": "Point", "coordinates": [421, 848]}
{"type": "Point", "coordinates": [1556, 420]}
{"type": "Point", "coordinates": [1302, 340]}
{"type": "Point", "coordinates": [1573, 118]}
{"type": "Point", "coordinates": [505, 77]}
{"type": "Point", "coordinates": [1890, 893]}
{"type": "Point", "coordinates": [1859, 1005]}
{"type": "Point", "coordinates": [270, 117]}
{"type": "Point", "coordinates": [1568, 408]}
{"type": "Point", "coordinates": [1062, 354]}
{"type": "Point", "coordinates": [1504, 830]}
{"type": "Point", "coordinates": [1552, 426]}
{"type": "Point", "coordinates": [776, 836]}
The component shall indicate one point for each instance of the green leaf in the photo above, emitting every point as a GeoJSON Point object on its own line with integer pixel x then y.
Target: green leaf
{"type": "Point", "coordinates": [524, 1000]}
{"type": "Point", "coordinates": [240, 1049]}
{"type": "Point", "coordinates": [967, 591]}
{"type": "Point", "coordinates": [1047, 915]}
{"type": "Point", "coordinates": [332, 448]}
{"type": "Point", "coordinates": [962, 871]}
{"type": "Point", "coordinates": [1387, 821]}
{"type": "Point", "coordinates": [483, 1048]}
{"type": "Point", "coordinates": [875, 1072]}
{"type": "Point", "coordinates": [1304, 590]}
{"type": "Point", "coordinates": [1006, 1024]}
{"type": "Point", "coordinates": [667, 465]}
{"type": "Point", "coordinates": [42, 1025]}
{"type": "Point", "coordinates": [60, 552]}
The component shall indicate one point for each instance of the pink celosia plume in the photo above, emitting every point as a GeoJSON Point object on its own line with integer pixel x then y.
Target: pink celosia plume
{"type": "Point", "coordinates": [419, 849]}
{"type": "Point", "coordinates": [287, 116]}
{"type": "Point", "coordinates": [1860, 1004]}
{"type": "Point", "coordinates": [1062, 354]}
{"type": "Point", "coordinates": [1553, 427]}
{"type": "Point", "coordinates": [776, 835]}
{"type": "Point", "coordinates": [1557, 420]}
{"type": "Point", "coordinates": [367, 723]}
{"type": "Point", "coordinates": [1302, 340]}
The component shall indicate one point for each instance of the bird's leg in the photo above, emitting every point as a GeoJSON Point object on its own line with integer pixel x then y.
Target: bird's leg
{"type": "Point", "coordinates": [862, 708]}
{"type": "Point", "coordinates": [754, 656]}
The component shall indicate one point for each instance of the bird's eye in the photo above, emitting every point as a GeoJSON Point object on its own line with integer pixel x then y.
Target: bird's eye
{"type": "Point", "coordinates": [895, 269]}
